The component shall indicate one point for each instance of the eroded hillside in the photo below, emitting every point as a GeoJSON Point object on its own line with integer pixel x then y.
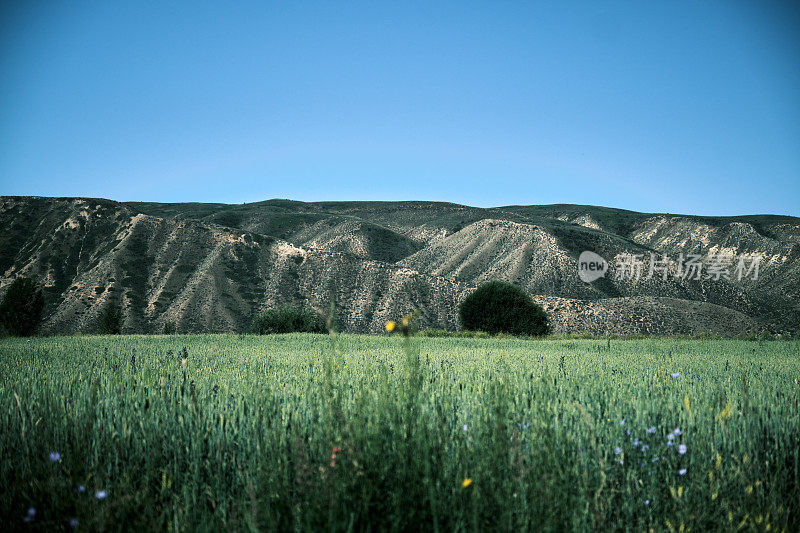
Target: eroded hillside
{"type": "Point", "coordinates": [211, 267]}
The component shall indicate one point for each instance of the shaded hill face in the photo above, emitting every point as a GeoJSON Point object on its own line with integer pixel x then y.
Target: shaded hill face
{"type": "Point", "coordinates": [211, 267]}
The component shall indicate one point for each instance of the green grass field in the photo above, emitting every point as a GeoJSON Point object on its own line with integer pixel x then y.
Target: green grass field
{"type": "Point", "coordinates": [303, 432]}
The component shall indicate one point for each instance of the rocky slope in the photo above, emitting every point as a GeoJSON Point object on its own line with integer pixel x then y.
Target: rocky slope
{"type": "Point", "coordinates": [211, 267]}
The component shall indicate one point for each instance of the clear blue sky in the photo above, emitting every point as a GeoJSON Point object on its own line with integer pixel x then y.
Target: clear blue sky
{"type": "Point", "coordinates": [683, 107]}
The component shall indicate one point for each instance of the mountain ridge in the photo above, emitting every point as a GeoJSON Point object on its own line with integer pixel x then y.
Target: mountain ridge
{"type": "Point", "coordinates": [212, 266]}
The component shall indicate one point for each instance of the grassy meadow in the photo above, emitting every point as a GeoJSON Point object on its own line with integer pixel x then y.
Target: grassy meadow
{"type": "Point", "coordinates": [352, 433]}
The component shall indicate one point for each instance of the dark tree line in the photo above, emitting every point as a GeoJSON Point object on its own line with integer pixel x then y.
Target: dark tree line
{"type": "Point", "coordinates": [21, 308]}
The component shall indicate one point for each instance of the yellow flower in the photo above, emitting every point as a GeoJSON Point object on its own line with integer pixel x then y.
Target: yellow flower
{"type": "Point", "coordinates": [390, 326]}
{"type": "Point", "coordinates": [406, 320]}
{"type": "Point", "coordinates": [686, 403]}
{"type": "Point", "coordinates": [724, 414]}
{"type": "Point", "coordinates": [467, 482]}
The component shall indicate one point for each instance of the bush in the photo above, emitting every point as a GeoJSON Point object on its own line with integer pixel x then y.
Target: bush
{"type": "Point", "coordinates": [500, 307]}
{"type": "Point", "coordinates": [288, 319]}
{"type": "Point", "coordinates": [111, 322]}
{"type": "Point", "coordinates": [21, 309]}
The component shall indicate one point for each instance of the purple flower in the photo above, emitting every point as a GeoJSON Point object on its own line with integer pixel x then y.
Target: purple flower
{"type": "Point", "coordinates": [636, 442]}
{"type": "Point", "coordinates": [681, 449]}
{"type": "Point", "coordinates": [651, 431]}
{"type": "Point", "coordinates": [81, 488]}
{"type": "Point", "coordinates": [73, 522]}
{"type": "Point", "coordinates": [647, 502]}
{"type": "Point", "coordinates": [670, 437]}
{"type": "Point", "coordinates": [645, 448]}
{"type": "Point", "coordinates": [617, 450]}
{"type": "Point", "coordinates": [654, 459]}
{"type": "Point", "coordinates": [677, 432]}
{"type": "Point", "coordinates": [622, 423]}
{"type": "Point", "coordinates": [670, 444]}
{"type": "Point", "coordinates": [676, 375]}
{"type": "Point", "coordinates": [30, 516]}
{"type": "Point", "coordinates": [465, 428]}
{"type": "Point", "coordinates": [55, 456]}
{"type": "Point", "coordinates": [101, 494]}
{"type": "Point", "coordinates": [627, 431]}
{"type": "Point", "coordinates": [682, 471]}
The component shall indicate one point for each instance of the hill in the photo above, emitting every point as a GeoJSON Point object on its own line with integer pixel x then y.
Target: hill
{"type": "Point", "coordinates": [211, 267]}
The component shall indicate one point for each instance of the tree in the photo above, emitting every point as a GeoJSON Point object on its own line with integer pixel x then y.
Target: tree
{"type": "Point", "coordinates": [170, 328]}
{"type": "Point", "coordinates": [501, 307]}
{"type": "Point", "coordinates": [288, 319]}
{"type": "Point", "coordinates": [111, 321]}
{"type": "Point", "coordinates": [21, 308]}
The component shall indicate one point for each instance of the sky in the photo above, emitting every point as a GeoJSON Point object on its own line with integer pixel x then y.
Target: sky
{"type": "Point", "coordinates": [679, 107]}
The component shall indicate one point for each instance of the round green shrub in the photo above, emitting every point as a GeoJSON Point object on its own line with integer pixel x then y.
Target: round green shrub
{"type": "Point", "coordinates": [500, 307]}
{"type": "Point", "coordinates": [288, 319]}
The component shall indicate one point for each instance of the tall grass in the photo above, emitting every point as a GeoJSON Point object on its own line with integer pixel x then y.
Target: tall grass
{"type": "Point", "coordinates": [299, 432]}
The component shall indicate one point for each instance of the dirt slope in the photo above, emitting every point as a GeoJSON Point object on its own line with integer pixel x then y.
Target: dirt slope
{"type": "Point", "coordinates": [211, 267]}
